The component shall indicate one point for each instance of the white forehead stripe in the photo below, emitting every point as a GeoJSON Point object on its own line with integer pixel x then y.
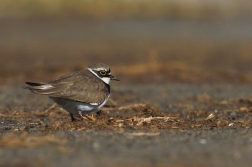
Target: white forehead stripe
{"type": "Point", "coordinates": [100, 69]}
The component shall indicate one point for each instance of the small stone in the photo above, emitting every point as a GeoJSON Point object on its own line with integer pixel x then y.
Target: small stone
{"type": "Point", "coordinates": [210, 116]}
{"type": "Point", "coordinates": [202, 141]}
{"type": "Point", "coordinates": [231, 124]}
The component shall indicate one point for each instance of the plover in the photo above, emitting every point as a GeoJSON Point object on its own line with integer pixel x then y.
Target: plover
{"type": "Point", "coordinates": [80, 92]}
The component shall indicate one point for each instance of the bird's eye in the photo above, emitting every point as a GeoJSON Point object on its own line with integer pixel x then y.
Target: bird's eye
{"type": "Point", "coordinates": [103, 72]}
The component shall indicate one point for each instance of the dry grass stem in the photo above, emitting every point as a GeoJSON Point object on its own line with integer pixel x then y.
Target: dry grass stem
{"type": "Point", "coordinates": [51, 107]}
{"type": "Point", "coordinates": [134, 106]}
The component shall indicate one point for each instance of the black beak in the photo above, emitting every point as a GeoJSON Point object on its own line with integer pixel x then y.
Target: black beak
{"type": "Point", "coordinates": [114, 78]}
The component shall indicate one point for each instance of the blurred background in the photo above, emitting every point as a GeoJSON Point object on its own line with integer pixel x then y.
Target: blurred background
{"type": "Point", "coordinates": [144, 41]}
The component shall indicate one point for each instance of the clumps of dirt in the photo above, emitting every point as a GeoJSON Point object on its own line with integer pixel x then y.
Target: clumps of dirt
{"type": "Point", "coordinates": [114, 118]}
{"type": "Point", "coordinates": [145, 117]}
{"type": "Point", "coordinates": [135, 117]}
{"type": "Point", "coordinates": [142, 116]}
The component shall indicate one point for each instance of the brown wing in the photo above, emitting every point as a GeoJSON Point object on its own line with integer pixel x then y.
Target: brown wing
{"type": "Point", "coordinates": [79, 86]}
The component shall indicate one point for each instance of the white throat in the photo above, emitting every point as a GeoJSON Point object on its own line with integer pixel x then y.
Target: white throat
{"type": "Point", "coordinates": [104, 79]}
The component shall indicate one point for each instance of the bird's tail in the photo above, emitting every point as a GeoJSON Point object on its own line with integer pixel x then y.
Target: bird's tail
{"type": "Point", "coordinates": [39, 88]}
{"type": "Point", "coordinates": [33, 85]}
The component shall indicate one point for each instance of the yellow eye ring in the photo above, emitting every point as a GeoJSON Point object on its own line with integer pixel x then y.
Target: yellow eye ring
{"type": "Point", "coordinates": [103, 72]}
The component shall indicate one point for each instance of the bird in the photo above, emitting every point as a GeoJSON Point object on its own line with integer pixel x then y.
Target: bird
{"type": "Point", "coordinates": [79, 93]}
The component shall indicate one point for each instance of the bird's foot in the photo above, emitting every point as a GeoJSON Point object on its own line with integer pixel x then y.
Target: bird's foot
{"type": "Point", "coordinates": [92, 118]}
{"type": "Point", "coordinates": [86, 116]}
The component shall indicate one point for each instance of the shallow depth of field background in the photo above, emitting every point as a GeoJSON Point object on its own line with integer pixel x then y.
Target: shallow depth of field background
{"type": "Point", "coordinates": [142, 41]}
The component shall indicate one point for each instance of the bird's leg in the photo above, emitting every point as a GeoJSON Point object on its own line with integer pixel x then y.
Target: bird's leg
{"type": "Point", "coordinates": [80, 114]}
{"type": "Point", "coordinates": [72, 117]}
{"type": "Point", "coordinates": [86, 116]}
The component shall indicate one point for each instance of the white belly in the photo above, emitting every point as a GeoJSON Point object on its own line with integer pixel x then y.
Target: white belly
{"type": "Point", "coordinates": [85, 107]}
{"type": "Point", "coordinates": [75, 106]}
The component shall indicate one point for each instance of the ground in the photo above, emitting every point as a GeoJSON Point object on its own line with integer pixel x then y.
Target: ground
{"type": "Point", "coordinates": [177, 107]}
